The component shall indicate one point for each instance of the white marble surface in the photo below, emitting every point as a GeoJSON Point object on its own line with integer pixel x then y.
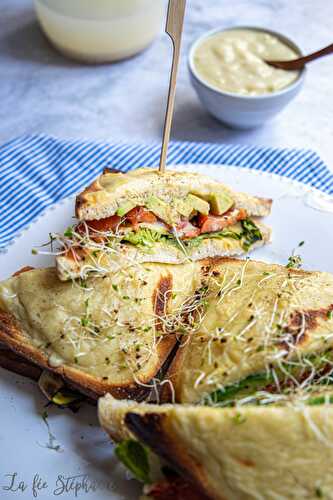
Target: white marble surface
{"type": "Point", "coordinates": [40, 91]}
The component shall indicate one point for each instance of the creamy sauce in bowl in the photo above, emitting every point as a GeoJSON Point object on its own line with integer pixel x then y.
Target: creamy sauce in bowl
{"type": "Point", "coordinates": [234, 61]}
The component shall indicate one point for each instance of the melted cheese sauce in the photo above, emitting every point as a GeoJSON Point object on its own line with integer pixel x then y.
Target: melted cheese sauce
{"type": "Point", "coordinates": [243, 330]}
{"type": "Point", "coordinates": [234, 61]}
{"type": "Point", "coordinates": [106, 328]}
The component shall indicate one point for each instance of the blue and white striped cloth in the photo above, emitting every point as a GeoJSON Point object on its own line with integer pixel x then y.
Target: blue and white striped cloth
{"type": "Point", "coordinates": [37, 171]}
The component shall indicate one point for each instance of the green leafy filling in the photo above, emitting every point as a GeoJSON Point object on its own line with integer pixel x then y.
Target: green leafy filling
{"type": "Point", "coordinates": [146, 238]}
{"type": "Point", "coordinates": [135, 457]}
{"type": "Point", "coordinates": [235, 392]}
{"type": "Point", "coordinates": [66, 397]}
{"type": "Point", "coordinates": [319, 400]}
{"type": "Point", "coordinates": [251, 233]}
{"type": "Point", "coordinates": [194, 242]}
{"type": "Point", "coordinates": [251, 386]}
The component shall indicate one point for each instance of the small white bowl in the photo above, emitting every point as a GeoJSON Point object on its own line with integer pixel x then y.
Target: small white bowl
{"type": "Point", "coordinates": [237, 110]}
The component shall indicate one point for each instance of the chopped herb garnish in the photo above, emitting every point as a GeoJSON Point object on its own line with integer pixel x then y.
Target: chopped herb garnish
{"type": "Point", "coordinates": [69, 232]}
{"type": "Point", "coordinates": [85, 321]}
{"type": "Point", "coordinates": [294, 262]}
{"type": "Point", "coordinates": [83, 283]}
{"type": "Point", "coordinates": [239, 419]}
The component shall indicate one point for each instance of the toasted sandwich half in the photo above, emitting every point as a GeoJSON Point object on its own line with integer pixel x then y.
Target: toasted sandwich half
{"type": "Point", "coordinates": [279, 450]}
{"type": "Point", "coordinates": [256, 382]}
{"type": "Point", "coordinates": [145, 216]}
{"type": "Point", "coordinates": [265, 326]}
{"type": "Point", "coordinates": [100, 335]}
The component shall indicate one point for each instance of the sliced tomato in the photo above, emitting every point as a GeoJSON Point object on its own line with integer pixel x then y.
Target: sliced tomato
{"type": "Point", "coordinates": [140, 214]}
{"type": "Point", "coordinates": [175, 489]}
{"type": "Point", "coordinates": [104, 225]}
{"type": "Point", "coordinates": [213, 223]}
{"type": "Point", "coordinates": [75, 253]}
{"type": "Point", "coordinates": [23, 270]}
{"type": "Point", "coordinates": [186, 230]}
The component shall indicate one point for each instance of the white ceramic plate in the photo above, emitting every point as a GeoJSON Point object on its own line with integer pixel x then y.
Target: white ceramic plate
{"type": "Point", "coordinates": [85, 467]}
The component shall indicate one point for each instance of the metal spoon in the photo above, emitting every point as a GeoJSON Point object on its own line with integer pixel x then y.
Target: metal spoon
{"type": "Point", "coordinates": [174, 28]}
{"type": "Point", "coordinates": [298, 64]}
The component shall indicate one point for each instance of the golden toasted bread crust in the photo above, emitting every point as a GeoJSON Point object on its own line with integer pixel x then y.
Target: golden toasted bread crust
{"type": "Point", "coordinates": [18, 364]}
{"type": "Point", "coordinates": [100, 199]}
{"type": "Point", "coordinates": [12, 336]}
{"type": "Point", "coordinates": [168, 393]}
{"type": "Point", "coordinates": [152, 429]}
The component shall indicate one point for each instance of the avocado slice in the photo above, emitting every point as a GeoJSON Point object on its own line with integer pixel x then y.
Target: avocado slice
{"type": "Point", "coordinates": [183, 208]}
{"type": "Point", "coordinates": [190, 205]}
{"type": "Point", "coordinates": [250, 385]}
{"type": "Point", "coordinates": [246, 387]}
{"type": "Point", "coordinates": [125, 208]}
{"type": "Point", "coordinates": [160, 208]}
{"type": "Point", "coordinates": [220, 203]}
{"type": "Point", "coordinates": [198, 204]}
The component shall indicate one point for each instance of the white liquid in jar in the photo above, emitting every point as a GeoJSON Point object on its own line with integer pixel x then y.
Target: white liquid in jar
{"type": "Point", "coordinates": [234, 61]}
{"type": "Point", "coordinates": [100, 30]}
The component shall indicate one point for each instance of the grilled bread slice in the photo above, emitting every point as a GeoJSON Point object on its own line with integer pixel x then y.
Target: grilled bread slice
{"type": "Point", "coordinates": [12, 362]}
{"type": "Point", "coordinates": [243, 453]}
{"type": "Point", "coordinates": [112, 190]}
{"type": "Point", "coordinates": [145, 216]}
{"type": "Point", "coordinates": [101, 335]}
{"type": "Point", "coordinates": [263, 321]}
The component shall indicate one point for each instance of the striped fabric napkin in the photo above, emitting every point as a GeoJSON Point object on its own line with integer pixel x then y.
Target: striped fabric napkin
{"type": "Point", "coordinates": [37, 171]}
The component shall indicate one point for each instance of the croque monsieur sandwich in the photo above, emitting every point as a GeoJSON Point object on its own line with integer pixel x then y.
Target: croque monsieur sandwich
{"type": "Point", "coordinates": [255, 380]}
{"type": "Point", "coordinates": [246, 347]}
{"type": "Point", "coordinates": [145, 216]}
{"type": "Point", "coordinates": [264, 326]}
{"type": "Point", "coordinates": [191, 452]}
{"type": "Point", "coordinates": [99, 335]}
{"type": "Point", "coordinates": [213, 326]}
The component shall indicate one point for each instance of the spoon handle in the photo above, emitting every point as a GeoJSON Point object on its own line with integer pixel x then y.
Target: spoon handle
{"type": "Point", "coordinates": [319, 53]}
{"type": "Point", "coordinates": [299, 63]}
{"type": "Point", "coordinates": [174, 28]}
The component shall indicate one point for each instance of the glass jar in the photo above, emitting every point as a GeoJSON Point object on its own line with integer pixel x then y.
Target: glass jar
{"type": "Point", "coordinates": [100, 30]}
